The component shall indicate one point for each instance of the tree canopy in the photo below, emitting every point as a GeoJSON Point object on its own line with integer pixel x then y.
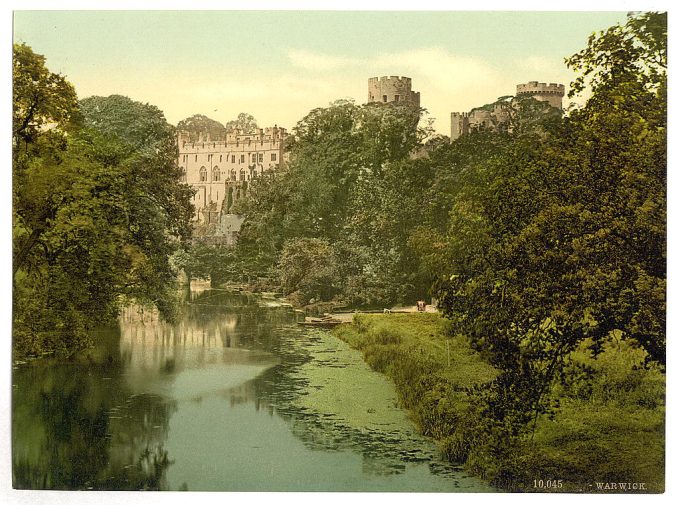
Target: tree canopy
{"type": "Point", "coordinates": [244, 122]}
{"type": "Point", "coordinates": [560, 240]}
{"type": "Point", "coordinates": [199, 124]}
{"type": "Point", "coordinates": [97, 207]}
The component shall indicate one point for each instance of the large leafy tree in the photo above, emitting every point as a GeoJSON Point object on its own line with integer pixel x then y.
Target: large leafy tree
{"type": "Point", "coordinates": [199, 124]}
{"type": "Point", "coordinates": [336, 154]}
{"type": "Point", "coordinates": [39, 98]}
{"type": "Point", "coordinates": [562, 239]}
{"type": "Point", "coordinates": [97, 209]}
{"type": "Point", "coordinates": [244, 123]}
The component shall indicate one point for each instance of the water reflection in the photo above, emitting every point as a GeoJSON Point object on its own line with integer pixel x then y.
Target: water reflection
{"type": "Point", "coordinates": [207, 404]}
{"type": "Point", "coordinates": [86, 431]}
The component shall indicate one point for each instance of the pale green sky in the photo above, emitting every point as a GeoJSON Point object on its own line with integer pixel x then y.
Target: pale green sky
{"type": "Point", "coordinates": [278, 65]}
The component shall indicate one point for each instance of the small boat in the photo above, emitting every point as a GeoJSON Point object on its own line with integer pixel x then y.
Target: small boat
{"type": "Point", "coordinates": [326, 322]}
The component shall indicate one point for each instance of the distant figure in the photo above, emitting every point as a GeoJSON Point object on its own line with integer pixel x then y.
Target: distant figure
{"type": "Point", "coordinates": [421, 305]}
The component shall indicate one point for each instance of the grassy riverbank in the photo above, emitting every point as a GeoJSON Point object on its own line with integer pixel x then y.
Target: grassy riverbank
{"type": "Point", "coordinates": [608, 424]}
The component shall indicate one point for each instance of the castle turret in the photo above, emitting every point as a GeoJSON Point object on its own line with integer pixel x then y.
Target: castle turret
{"type": "Point", "coordinates": [392, 89]}
{"type": "Point", "coordinates": [460, 125]}
{"type": "Point", "coordinates": [551, 93]}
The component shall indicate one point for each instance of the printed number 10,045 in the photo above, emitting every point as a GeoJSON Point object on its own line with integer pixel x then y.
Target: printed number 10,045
{"type": "Point", "coordinates": [547, 484]}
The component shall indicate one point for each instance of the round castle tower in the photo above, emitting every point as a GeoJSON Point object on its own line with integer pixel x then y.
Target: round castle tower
{"type": "Point", "coordinates": [551, 93]}
{"type": "Point", "coordinates": [392, 89]}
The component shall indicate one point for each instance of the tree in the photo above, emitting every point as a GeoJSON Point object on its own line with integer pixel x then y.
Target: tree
{"type": "Point", "coordinates": [39, 98]}
{"type": "Point", "coordinates": [198, 125]}
{"type": "Point", "coordinates": [98, 210]}
{"type": "Point", "coordinates": [561, 239]}
{"type": "Point", "coordinates": [306, 270]}
{"type": "Point", "coordinates": [244, 123]}
{"type": "Point", "coordinates": [340, 157]}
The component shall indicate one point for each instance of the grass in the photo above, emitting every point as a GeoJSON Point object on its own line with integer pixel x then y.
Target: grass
{"type": "Point", "coordinates": [608, 425]}
{"type": "Point", "coordinates": [431, 371]}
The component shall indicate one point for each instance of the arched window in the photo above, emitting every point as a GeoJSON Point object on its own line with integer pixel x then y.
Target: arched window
{"type": "Point", "coordinates": [233, 175]}
{"type": "Point", "coordinates": [203, 174]}
{"type": "Point", "coordinates": [216, 173]}
{"type": "Point", "coordinates": [182, 174]}
{"type": "Point", "coordinates": [242, 176]}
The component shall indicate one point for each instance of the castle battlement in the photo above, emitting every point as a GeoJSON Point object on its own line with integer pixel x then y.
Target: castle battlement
{"type": "Point", "coordinates": [392, 89]}
{"type": "Point", "coordinates": [234, 139]}
{"type": "Point", "coordinates": [535, 87]}
{"type": "Point", "coordinates": [386, 78]}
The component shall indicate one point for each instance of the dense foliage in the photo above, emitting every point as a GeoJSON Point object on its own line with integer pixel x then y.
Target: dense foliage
{"type": "Point", "coordinates": [199, 125]}
{"type": "Point", "coordinates": [342, 184]}
{"type": "Point", "coordinates": [244, 123]}
{"type": "Point", "coordinates": [609, 426]}
{"type": "Point", "coordinates": [562, 239]}
{"type": "Point", "coordinates": [97, 208]}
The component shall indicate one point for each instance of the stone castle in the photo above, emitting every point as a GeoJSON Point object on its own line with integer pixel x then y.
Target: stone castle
{"type": "Point", "coordinates": [392, 89]}
{"type": "Point", "coordinates": [496, 118]}
{"type": "Point", "coordinates": [220, 169]}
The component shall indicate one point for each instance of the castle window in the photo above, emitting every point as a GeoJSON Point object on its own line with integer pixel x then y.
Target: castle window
{"type": "Point", "coordinates": [273, 156]}
{"type": "Point", "coordinates": [254, 157]}
{"type": "Point", "coordinates": [182, 174]}
{"type": "Point", "coordinates": [384, 98]}
{"type": "Point", "coordinates": [233, 158]}
{"type": "Point", "coordinates": [220, 158]}
{"type": "Point", "coordinates": [196, 158]}
{"type": "Point", "coordinates": [260, 157]}
{"type": "Point", "coordinates": [203, 174]}
{"type": "Point", "coordinates": [396, 98]}
{"type": "Point", "coordinates": [243, 158]}
{"type": "Point", "coordinates": [233, 175]}
{"type": "Point", "coordinates": [242, 175]}
{"type": "Point", "coordinates": [216, 173]}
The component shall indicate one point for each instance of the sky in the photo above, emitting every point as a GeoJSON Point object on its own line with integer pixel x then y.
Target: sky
{"type": "Point", "coordinates": [279, 65]}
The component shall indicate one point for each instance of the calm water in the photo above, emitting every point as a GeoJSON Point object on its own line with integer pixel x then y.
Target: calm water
{"type": "Point", "coordinates": [236, 397]}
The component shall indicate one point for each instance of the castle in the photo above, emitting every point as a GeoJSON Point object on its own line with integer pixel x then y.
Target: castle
{"type": "Point", "coordinates": [392, 89]}
{"type": "Point", "coordinates": [496, 118]}
{"type": "Point", "coordinates": [220, 169]}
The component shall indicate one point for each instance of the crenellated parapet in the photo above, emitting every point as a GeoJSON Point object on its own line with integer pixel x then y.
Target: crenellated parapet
{"type": "Point", "coordinates": [551, 93]}
{"type": "Point", "coordinates": [392, 89]}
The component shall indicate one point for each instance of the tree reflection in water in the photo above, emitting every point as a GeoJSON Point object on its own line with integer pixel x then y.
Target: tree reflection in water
{"type": "Point", "coordinates": [85, 431]}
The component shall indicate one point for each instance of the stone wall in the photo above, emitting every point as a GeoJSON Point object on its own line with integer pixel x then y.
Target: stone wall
{"type": "Point", "coordinates": [210, 165]}
{"type": "Point", "coordinates": [393, 89]}
{"type": "Point", "coordinates": [551, 93]}
{"type": "Point", "coordinates": [463, 123]}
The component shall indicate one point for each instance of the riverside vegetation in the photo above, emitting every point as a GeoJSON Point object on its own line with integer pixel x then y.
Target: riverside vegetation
{"type": "Point", "coordinates": [606, 423]}
{"type": "Point", "coordinates": [545, 246]}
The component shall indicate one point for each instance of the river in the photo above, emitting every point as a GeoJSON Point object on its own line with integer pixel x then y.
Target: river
{"type": "Point", "coordinates": [235, 397]}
